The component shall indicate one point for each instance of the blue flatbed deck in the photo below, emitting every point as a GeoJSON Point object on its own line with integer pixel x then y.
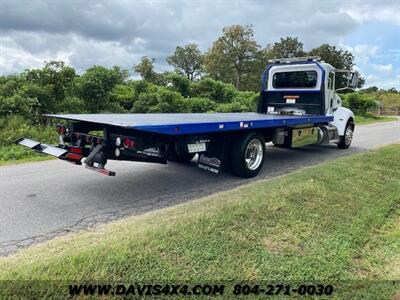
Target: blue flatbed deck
{"type": "Point", "coordinates": [194, 123]}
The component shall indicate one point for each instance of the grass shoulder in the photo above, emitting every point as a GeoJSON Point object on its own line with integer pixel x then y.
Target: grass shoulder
{"type": "Point", "coordinates": [14, 154]}
{"type": "Point", "coordinates": [368, 118]}
{"type": "Point", "coordinates": [309, 225]}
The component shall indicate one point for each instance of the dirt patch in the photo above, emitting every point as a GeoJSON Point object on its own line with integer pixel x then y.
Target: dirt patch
{"type": "Point", "coordinates": [282, 243]}
{"type": "Point", "coordinates": [396, 296]}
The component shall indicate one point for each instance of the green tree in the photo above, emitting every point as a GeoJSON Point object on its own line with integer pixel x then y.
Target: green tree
{"type": "Point", "coordinates": [95, 87]}
{"type": "Point", "coordinates": [145, 68]}
{"type": "Point", "coordinates": [43, 95]}
{"type": "Point", "coordinates": [178, 83]}
{"type": "Point", "coordinates": [71, 105]}
{"type": "Point", "coordinates": [123, 95]}
{"type": "Point", "coordinates": [55, 79]}
{"type": "Point", "coordinates": [229, 59]}
{"type": "Point", "coordinates": [251, 81]}
{"type": "Point", "coordinates": [187, 61]}
{"type": "Point", "coordinates": [339, 59]}
{"type": "Point", "coordinates": [17, 104]}
{"type": "Point", "coordinates": [11, 84]}
{"type": "Point", "coordinates": [55, 73]}
{"type": "Point", "coordinates": [288, 47]}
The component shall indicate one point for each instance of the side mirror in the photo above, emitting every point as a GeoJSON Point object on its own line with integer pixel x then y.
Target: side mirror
{"type": "Point", "coordinates": [350, 76]}
{"type": "Point", "coordinates": [354, 80]}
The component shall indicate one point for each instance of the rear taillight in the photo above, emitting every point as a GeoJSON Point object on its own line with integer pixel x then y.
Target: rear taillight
{"type": "Point", "coordinates": [129, 143]}
{"type": "Point", "coordinates": [73, 157]}
{"type": "Point", "coordinates": [75, 150]}
{"type": "Point", "coordinates": [61, 129]}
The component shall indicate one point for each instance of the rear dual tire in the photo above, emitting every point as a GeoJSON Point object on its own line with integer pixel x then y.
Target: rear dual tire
{"type": "Point", "coordinates": [247, 155]}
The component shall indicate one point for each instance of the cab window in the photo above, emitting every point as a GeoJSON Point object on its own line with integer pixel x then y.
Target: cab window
{"type": "Point", "coordinates": [295, 79]}
{"type": "Point", "coordinates": [331, 81]}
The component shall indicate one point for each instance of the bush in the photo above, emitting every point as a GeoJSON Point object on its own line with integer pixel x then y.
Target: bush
{"type": "Point", "coordinates": [162, 101]}
{"type": "Point", "coordinates": [215, 90]}
{"type": "Point", "coordinates": [178, 83]}
{"type": "Point", "coordinates": [248, 100]}
{"type": "Point", "coordinates": [200, 105]}
{"type": "Point", "coordinates": [242, 102]}
{"type": "Point", "coordinates": [231, 107]}
{"type": "Point", "coordinates": [145, 102]}
{"type": "Point", "coordinates": [43, 95]}
{"type": "Point", "coordinates": [389, 99]}
{"type": "Point", "coordinates": [139, 86]}
{"type": "Point", "coordinates": [170, 102]}
{"type": "Point", "coordinates": [123, 95]}
{"type": "Point", "coordinates": [358, 102]}
{"type": "Point", "coordinates": [17, 104]}
{"type": "Point", "coordinates": [16, 127]}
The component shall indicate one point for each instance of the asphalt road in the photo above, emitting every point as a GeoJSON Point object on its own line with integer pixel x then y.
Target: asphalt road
{"type": "Point", "coordinates": [44, 199]}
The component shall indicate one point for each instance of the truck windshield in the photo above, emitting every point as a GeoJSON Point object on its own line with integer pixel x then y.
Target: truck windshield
{"type": "Point", "coordinates": [296, 79]}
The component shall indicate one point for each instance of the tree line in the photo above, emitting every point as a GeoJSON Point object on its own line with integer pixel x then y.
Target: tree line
{"type": "Point", "coordinates": [226, 78]}
{"type": "Point", "coordinates": [236, 58]}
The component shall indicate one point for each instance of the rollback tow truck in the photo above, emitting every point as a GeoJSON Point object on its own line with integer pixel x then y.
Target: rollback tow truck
{"type": "Point", "coordinates": [298, 106]}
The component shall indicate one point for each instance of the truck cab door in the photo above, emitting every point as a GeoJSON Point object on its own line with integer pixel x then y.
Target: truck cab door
{"type": "Point", "coordinates": [330, 94]}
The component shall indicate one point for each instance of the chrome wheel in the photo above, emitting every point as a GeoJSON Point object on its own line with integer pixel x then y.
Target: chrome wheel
{"type": "Point", "coordinates": [348, 135]}
{"type": "Point", "coordinates": [254, 154]}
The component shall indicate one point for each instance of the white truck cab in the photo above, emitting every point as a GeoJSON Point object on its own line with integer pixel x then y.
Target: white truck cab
{"type": "Point", "coordinates": [307, 86]}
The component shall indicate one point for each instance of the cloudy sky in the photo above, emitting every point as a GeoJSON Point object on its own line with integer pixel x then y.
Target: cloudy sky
{"type": "Point", "coordinates": [84, 33]}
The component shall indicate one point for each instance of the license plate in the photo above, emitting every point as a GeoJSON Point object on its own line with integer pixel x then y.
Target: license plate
{"type": "Point", "coordinates": [198, 147]}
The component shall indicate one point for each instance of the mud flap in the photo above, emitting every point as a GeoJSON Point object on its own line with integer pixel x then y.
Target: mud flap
{"type": "Point", "coordinates": [212, 160]}
{"type": "Point", "coordinates": [211, 164]}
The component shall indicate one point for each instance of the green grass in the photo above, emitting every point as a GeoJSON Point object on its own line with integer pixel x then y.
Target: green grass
{"type": "Point", "coordinates": [313, 224]}
{"type": "Point", "coordinates": [15, 154]}
{"type": "Point", "coordinates": [368, 118]}
{"type": "Point", "coordinates": [15, 127]}
{"type": "Point", "coordinates": [380, 257]}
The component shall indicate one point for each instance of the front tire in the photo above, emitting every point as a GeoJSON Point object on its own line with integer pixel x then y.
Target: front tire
{"type": "Point", "coordinates": [247, 155]}
{"type": "Point", "coordinates": [346, 139]}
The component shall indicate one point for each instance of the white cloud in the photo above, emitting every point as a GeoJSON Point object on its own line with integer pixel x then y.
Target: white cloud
{"type": "Point", "coordinates": [381, 75]}
{"type": "Point", "coordinates": [386, 69]}
{"type": "Point", "coordinates": [120, 32]}
{"type": "Point", "coordinates": [362, 52]}
{"type": "Point", "coordinates": [383, 82]}
{"type": "Point", "coordinates": [15, 58]}
{"type": "Point", "coordinates": [384, 11]}
{"type": "Point", "coordinates": [156, 28]}
{"type": "Point", "coordinates": [79, 52]}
